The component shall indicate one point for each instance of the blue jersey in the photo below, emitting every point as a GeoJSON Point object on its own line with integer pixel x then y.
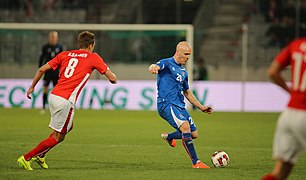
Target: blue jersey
{"type": "Point", "coordinates": [172, 80]}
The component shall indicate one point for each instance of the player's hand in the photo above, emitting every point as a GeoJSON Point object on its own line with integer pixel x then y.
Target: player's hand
{"type": "Point", "coordinates": [30, 92]}
{"type": "Point", "coordinates": [207, 109]}
{"type": "Point", "coordinates": [153, 69]}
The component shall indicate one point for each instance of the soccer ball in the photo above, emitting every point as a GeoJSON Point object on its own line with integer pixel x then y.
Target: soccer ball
{"type": "Point", "coordinates": [220, 159]}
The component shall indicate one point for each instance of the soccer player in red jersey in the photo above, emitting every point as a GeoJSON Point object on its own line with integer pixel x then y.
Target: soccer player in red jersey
{"type": "Point", "coordinates": [76, 67]}
{"type": "Point", "coordinates": [290, 135]}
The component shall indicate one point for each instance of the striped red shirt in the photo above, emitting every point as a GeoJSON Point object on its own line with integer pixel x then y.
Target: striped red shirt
{"type": "Point", "coordinates": [76, 67]}
{"type": "Point", "coordinates": [295, 56]}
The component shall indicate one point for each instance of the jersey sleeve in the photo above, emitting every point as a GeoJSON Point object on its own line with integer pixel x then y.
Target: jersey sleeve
{"type": "Point", "coordinates": [185, 84]}
{"type": "Point", "coordinates": [100, 65]}
{"type": "Point", "coordinates": [56, 61]}
{"type": "Point", "coordinates": [284, 57]}
{"type": "Point", "coordinates": [162, 64]}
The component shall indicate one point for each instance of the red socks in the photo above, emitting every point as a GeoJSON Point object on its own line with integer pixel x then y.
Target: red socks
{"type": "Point", "coordinates": [43, 147]}
{"type": "Point", "coordinates": [269, 177]}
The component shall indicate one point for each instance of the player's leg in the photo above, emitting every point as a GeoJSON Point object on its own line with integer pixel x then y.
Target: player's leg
{"type": "Point", "coordinates": [193, 127]}
{"type": "Point", "coordinates": [62, 112]}
{"type": "Point", "coordinates": [280, 172]}
{"type": "Point", "coordinates": [296, 136]}
{"type": "Point", "coordinates": [59, 138]}
{"type": "Point", "coordinates": [175, 117]}
{"type": "Point", "coordinates": [55, 78]}
{"type": "Point", "coordinates": [43, 147]}
{"type": "Point", "coordinates": [282, 169]}
{"type": "Point", "coordinates": [46, 90]}
{"type": "Point", "coordinates": [289, 143]}
{"type": "Point", "coordinates": [189, 146]}
{"type": "Point", "coordinates": [194, 134]}
{"type": "Point", "coordinates": [169, 138]}
{"type": "Point", "coordinates": [173, 135]}
{"type": "Point", "coordinates": [178, 134]}
{"type": "Point", "coordinates": [40, 159]}
{"type": "Point", "coordinates": [188, 142]}
{"type": "Point", "coordinates": [164, 112]}
{"type": "Point", "coordinates": [45, 96]}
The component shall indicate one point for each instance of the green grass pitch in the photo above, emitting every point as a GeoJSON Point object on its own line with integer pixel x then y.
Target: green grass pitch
{"type": "Point", "coordinates": [127, 145]}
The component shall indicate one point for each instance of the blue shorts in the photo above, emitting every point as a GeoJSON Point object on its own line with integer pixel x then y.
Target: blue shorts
{"type": "Point", "coordinates": [175, 115]}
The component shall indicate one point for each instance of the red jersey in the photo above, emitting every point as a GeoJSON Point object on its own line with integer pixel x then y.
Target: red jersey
{"type": "Point", "coordinates": [295, 55]}
{"type": "Point", "coordinates": [76, 67]}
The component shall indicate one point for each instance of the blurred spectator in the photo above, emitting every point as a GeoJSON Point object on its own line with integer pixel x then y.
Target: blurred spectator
{"type": "Point", "coordinates": [282, 15]}
{"type": "Point", "coordinates": [303, 18]}
{"type": "Point", "coordinates": [272, 10]}
{"type": "Point", "coordinates": [10, 4]}
{"type": "Point", "coordinates": [281, 34]}
{"type": "Point", "coordinates": [49, 5]}
{"type": "Point", "coordinates": [77, 4]}
{"type": "Point", "coordinates": [28, 8]}
{"type": "Point", "coordinates": [200, 70]}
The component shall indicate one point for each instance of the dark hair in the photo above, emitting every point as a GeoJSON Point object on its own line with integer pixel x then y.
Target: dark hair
{"type": "Point", "coordinates": [85, 39]}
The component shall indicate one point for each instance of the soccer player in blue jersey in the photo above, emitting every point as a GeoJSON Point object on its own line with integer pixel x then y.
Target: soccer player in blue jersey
{"type": "Point", "coordinates": [172, 86]}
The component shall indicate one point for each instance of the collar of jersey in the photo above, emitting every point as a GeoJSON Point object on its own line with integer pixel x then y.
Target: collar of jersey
{"type": "Point", "coordinates": [175, 61]}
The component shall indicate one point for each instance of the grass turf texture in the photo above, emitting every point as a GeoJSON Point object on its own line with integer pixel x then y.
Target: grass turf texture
{"type": "Point", "coordinates": [127, 145]}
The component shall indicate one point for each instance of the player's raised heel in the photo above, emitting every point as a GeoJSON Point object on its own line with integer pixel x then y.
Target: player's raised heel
{"type": "Point", "coordinates": [172, 143]}
{"type": "Point", "coordinates": [200, 165]}
{"type": "Point", "coordinates": [41, 162]}
{"type": "Point", "coordinates": [24, 163]}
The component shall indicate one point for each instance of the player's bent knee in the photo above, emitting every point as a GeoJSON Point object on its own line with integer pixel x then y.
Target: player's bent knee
{"type": "Point", "coordinates": [59, 137]}
{"type": "Point", "coordinates": [194, 135]}
{"type": "Point", "coordinates": [185, 127]}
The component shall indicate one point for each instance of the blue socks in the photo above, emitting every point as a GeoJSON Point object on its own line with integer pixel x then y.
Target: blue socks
{"type": "Point", "coordinates": [174, 135]}
{"type": "Point", "coordinates": [188, 144]}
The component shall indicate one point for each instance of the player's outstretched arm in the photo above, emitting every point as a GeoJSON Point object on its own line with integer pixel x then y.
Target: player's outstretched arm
{"type": "Point", "coordinates": [193, 100]}
{"type": "Point", "coordinates": [40, 72]}
{"type": "Point", "coordinates": [111, 76]}
{"type": "Point", "coordinates": [153, 68]}
{"type": "Point", "coordinates": [274, 73]}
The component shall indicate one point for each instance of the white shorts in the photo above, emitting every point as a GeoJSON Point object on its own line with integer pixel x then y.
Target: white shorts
{"type": "Point", "coordinates": [62, 112]}
{"type": "Point", "coordinates": [290, 135]}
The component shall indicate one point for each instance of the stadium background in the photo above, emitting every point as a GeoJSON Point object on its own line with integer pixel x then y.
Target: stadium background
{"type": "Point", "coordinates": [125, 144]}
{"type": "Point", "coordinates": [217, 28]}
{"type": "Point", "coordinates": [236, 58]}
{"type": "Point", "coordinates": [103, 152]}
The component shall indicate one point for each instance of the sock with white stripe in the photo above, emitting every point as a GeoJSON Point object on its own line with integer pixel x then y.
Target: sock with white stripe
{"type": "Point", "coordinates": [189, 147]}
